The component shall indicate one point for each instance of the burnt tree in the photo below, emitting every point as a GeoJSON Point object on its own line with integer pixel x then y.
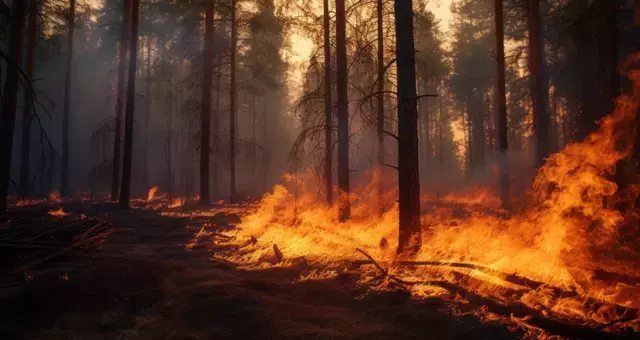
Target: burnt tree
{"type": "Point", "coordinates": [66, 114]}
{"type": "Point", "coordinates": [410, 240]}
{"type": "Point", "coordinates": [205, 114]}
{"type": "Point", "coordinates": [232, 104]}
{"type": "Point", "coordinates": [125, 188]}
{"type": "Point", "coordinates": [124, 38]}
{"type": "Point", "coordinates": [25, 148]}
{"type": "Point", "coordinates": [502, 106]}
{"type": "Point", "coordinates": [539, 88]}
{"type": "Point", "coordinates": [328, 105]}
{"type": "Point", "coordinates": [343, 111]}
{"type": "Point", "coordinates": [10, 96]}
{"type": "Point", "coordinates": [380, 108]}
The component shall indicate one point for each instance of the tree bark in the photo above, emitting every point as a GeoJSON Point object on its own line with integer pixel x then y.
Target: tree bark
{"type": "Point", "coordinates": [25, 159]}
{"type": "Point", "coordinates": [380, 118]}
{"type": "Point", "coordinates": [145, 164]}
{"type": "Point", "coordinates": [10, 96]}
{"type": "Point", "coordinates": [124, 38]}
{"type": "Point", "coordinates": [343, 112]}
{"type": "Point", "coordinates": [125, 189]}
{"type": "Point", "coordinates": [205, 115]}
{"type": "Point", "coordinates": [539, 88]}
{"type": "Point", "coordinates": [502, 107]}
{"type": "Point", "coordinates": [216, 126]}
{"type": "Point", "coordinates": [64, 180]}
{"type": "Point", "coordinates": [410, 239]}
{"type": "Point", "coordinates": [232, 106]}
{"type": "Point", "coordinates": [328, 106]}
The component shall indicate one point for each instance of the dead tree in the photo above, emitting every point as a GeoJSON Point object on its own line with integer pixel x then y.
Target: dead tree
{"type": "Point", "coordinates": [25, 158]}
{"type": "Point", "coordinates": [328, 106]}
{"type": "Point", "coordinates": [124, 38]}
{"type": "Point", "coordinates": [502, 106]}
{"type": "Point", "coordinates": [125, 189]}
{"type": "Point", "coordinates": [343, 111]}
{"type": "Point", "coordinates": [64, 176]}
{"type": "Point", "coordinates": [205, 115]}
{"type": "Point", "coordinates": [410, 240]}
{"type": "Point", "coordinates": [10, 96]}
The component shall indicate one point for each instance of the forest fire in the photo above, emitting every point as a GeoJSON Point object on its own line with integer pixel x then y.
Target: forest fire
{"type": "Point", "coordinates": [549, 257]}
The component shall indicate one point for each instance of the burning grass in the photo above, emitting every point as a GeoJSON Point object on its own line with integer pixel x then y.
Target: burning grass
{"type": "Point", "coordinates": [544, 258]}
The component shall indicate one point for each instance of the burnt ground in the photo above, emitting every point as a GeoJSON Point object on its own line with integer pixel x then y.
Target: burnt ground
{"type": "Point", "coordinates": [141, 283]}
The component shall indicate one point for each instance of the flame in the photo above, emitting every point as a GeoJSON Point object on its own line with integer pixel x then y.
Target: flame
{"type": "Point", "coordinates": [59, 213]}
{"type": "Point", "coordinates": [177, 202]}
{"type": "Point", "coordinates": [54, 197]}
{"type": "Point", "coordinates": [152, 192]}
{"type": "Point", "coordinates": [549, 256]}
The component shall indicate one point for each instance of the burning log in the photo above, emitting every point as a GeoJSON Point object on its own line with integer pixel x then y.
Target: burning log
{"type": "Point", "coordinates": [277, 253]}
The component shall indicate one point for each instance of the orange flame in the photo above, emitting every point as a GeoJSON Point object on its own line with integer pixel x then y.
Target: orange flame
{"type": "Point", "coordinates": [59, 213]}
{"type": "Point", "coordinates": [152, 193]}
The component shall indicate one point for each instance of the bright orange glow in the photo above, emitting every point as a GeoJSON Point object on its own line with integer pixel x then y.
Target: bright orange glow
{"type": "Point", "coordinates": [152, 193]}
{"type": "Point", "coordinates": [549, 257]}
{"type": "Point", "coordinates": [58, 213]}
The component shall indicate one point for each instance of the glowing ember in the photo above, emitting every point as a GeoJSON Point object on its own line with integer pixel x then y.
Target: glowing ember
{"type": "Point", "coordinates": [177, 202]}
{"type": "Point", "coordinates": [152, 193]}
{"type": "Point", "coordinates": [58, 213]}
{"type": "Point", "coordinates": [54, 197]}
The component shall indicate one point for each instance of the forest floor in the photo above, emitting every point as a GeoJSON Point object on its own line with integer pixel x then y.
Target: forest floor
{"type": "Point", "coordinates": [131, 277]}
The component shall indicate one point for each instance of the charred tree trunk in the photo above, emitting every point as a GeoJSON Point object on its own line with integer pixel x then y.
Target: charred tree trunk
{"type": "Point", "coordinates": [25, 159]}
{"type": "Point", "coordinates": [254, 150]}
{"type": "Point", "coordinates": [265, 146]}
{"type": "Point", "coordinates": [64, 180]}
{"type": "Point", "coordinates": [10, 97]}
{"type": "Point", "coordinates": [380, 118]}
{"type": "Point", "coordinates": [145, 163]}
{"type": "Point", "coordinates": [205, 115]}
{"type": "Point", "coordinates": [124, 39]}
{"type": "Point", "coordinates": [232, 106]}
{"type": "Point", "coordinates": [125, 189]}
{"type": "Point", "coordinates": [343, 112]}
{"type": "Point", "coordinates": [502, 107]}
{"type": "Point", "coordinates": [539, 89]}
{"type": "Point", "coordinates": [410, 239]}
{"type": "Point", "coordinates": [216, 126]}
{"type": "Point", "coordinates": [328, 106]}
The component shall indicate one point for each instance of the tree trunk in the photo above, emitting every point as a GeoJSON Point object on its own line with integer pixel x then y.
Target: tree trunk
{"type": "Point", "coordinates": [205, 114]}
{"type": "Point", "coordinates": [125, 189]}
{"type": "Point", "coordinates": [328, 163]}
{"type": "Point", "coordinates": [380, 118]}
{"type": "Point", "coordinates": [64, 180]}
{"type": "Point", "coordinates": [10, 96]}
{"type": "Point", "coordinates": [265, 146]}
{"type": "Point", "coordinates": [232, 106]}
{"type": "Point", "coordinates": [539, 89]}
{"type": "Point", "coordinates": [145, 164]}
{"type": "Point", "coordinates": [254, 150]}
{"type": "Point", "coordinates": [343, 112]}
{"type": "Point", "coordinates": [502, 106]}
{"type": "Point", "coordinates": [25, 159]}
{"type": "Point", "coordinates": [410, 239]}
{"type": "Point", "coordinates": [124, 39]}
{"type": "Point", "coordinates": [216, 126]}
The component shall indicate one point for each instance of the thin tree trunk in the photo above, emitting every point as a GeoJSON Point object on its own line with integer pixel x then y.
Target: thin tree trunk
{"type": "Point", "coordinates": [170, 141]}
{"type": "Point", "coordinates": [380, 119]}
{"type": "Point", "coordinates": [410, 239]}
{"type": "Point", "coordinates": [145, 164]}
{"type": "Point", "coordinates": [10, 96]}
{"type": "Point", "coordinates": [125, 190]}
{"type": "Point", "coordinates": [232, 106]}
{"type": "Point", "coordinates": [265, 146]}
{"type": "Point", "coordinates": [205, 115]}
{"type": "Point", "coordinates": [539, 89]}
{"type": "Point", "coordinates": [502, 106]}
{"type": "Point", "coordinates": [328, 106]}
{"type": "Point", "coordinates": [64, 180]}
{"type": "Point", "coordinates": [254, 150]}
{"type": "Point", "coordinates": [343, 112]}
{"type": "Point", "coordinates": [25, 159]}
{"type": "Point", "coordinates": [124, 39]}
{"type": "Point", "coordinates": [216, 127]}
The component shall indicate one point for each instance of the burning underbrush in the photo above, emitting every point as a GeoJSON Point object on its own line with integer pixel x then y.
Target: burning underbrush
{"type": "Point", "coordinates": [564, 257]}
